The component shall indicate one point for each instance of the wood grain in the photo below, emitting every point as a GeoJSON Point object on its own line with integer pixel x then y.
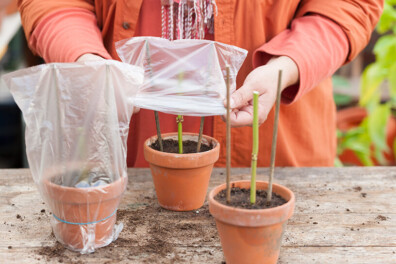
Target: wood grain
{"type": "Point", "coordinates": [357, 227]}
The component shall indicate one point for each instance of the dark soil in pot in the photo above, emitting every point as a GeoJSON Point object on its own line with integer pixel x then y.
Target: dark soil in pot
{"type": "Point", "coordinates": [172, 146]}
{"type": "Point", "coordinates": [240, 198]}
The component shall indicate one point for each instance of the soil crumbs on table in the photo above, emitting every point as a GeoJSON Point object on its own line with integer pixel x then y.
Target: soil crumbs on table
{"type": "Point", "coordinates": [172, 146]}
{"type": "Point", "coordinates": [151, 234]}
{"type": "Point", "coordinates": [240, 198]}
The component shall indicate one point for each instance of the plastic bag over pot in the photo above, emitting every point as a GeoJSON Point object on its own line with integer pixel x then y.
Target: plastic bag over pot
{"type": "Point", "coordinates": [184, 77]}
{"type": "Point", "coordinates": [77, 120]}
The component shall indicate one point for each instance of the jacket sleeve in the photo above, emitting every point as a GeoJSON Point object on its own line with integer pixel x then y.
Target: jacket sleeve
{"type": "Point", "coordinates": [33, 11]}
{"type": "Point", "coordinates": [316, 44]}
{"type": "Point", "coordinates": [323, 35]}
{"type": "Point", "coordinates": [357, 18]}
{"type": "Point", "coordinates": [63, 31]}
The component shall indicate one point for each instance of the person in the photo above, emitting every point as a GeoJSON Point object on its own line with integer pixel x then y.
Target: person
{"type": "Point", "coordinates": [307, 39]}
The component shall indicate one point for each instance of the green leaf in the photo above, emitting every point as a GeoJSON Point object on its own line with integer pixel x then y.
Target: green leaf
{"type": "Point", "coordinates": [341, 99]}
{"type": "Point", "coordinates": [384, 45]}
{"type": "Point", "coordinates": [377, 122]}
{"type": "Point", "coordinates": [338, 162]}
{"type": "Point", "coordinates": [392, 84]}
{"type": "Point", "coordinates": [387, 19]}
{"type": "Point", "coordinates": [365, 159]}
{"type": "Point", "coordinates": [357, 147]}
{"type": "Point", "coordinates": [372, 77]}
{"type": "Point", "coordinates": [380, 157]}
{"type": "Point", "coordinates": [394, 149]}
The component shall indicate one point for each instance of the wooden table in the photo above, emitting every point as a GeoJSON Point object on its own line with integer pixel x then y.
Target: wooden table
{"type": "Point", "coordinates": [343, 215]}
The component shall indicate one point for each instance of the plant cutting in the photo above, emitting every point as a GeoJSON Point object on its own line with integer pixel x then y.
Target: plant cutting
{"type": "Point", "coordinates": [182, 78]}
{"type": "Point", "coordinates": [76, 131]}
{"type": "Point", "coordinates": [181, 180]}
{"type": "Point", "coordinates": [252, 220]}
{"type": "Point", "coordinates": [181, 177]}
{"type": "Point", "coordinates": [85, 216]}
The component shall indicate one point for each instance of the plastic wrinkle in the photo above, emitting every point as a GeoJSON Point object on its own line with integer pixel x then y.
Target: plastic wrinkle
{"type": "Point", "coordinates": [182, 77]}
{"type": "Point", "coordinates": [77, 121]}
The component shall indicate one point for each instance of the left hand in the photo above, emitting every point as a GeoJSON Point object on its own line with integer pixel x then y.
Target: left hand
{"type": "Point", "coordinates": [263, 79]}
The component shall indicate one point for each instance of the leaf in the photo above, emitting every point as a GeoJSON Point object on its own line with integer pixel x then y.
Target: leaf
{"type": "Point", "coordinates": [394, 149]}
{"type": "Point", "coordinates": [338, 162]}
{"type": "Point", "coordinates": [357, 147]}
{"type": "Point", "coordinates": [387, 18]}
{"type": "Point", "coordinates": [392, 84]}
{"type": "Point", "coordinates": [341, 99]}
{"type": "Point", "coordinates": [380, 157]}
{"type": "Point", "coordinates": [372, 77]}
{"type": "Point", "coordinates": [377, 122]}
{"type": "Point", "coordinates": [384, 46]}
{"type": "Point", "coordinates": [365, 159]}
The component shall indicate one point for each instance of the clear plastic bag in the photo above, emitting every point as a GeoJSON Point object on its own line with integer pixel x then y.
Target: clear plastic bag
{"type": "Point", "coordinates": [77, 120]}
{"type": "Point", "coordinates": [184, 77]}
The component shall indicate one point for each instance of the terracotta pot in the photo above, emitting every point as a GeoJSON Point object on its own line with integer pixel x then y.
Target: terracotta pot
{"type": "Point", "coordinates": [352, 117]}
{"type": "Point", "coordinates": [181, 180]}
{"type": "Point", "coordinates": [83, 217]}
{"type": "Point", "coordinates": [251, 236]}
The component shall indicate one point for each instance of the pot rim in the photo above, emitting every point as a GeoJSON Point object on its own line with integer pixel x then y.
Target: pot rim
{"type": "Point", "coordinates": [181, 161]}
{"type": "Point", "coordinates": [149, 140]}
{"type": "Point", "coordinates": [87, 195]}
{"type": "Point", "coordinates": [252, 217]}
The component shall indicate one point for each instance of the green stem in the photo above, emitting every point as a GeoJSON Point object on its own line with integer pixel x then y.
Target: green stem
{"type": "Point", "coordinates": [254, 149]}
{"type": "Point", "coordinates": [201, 126]}
{"type": "Point", "coordinates": [180, 133]}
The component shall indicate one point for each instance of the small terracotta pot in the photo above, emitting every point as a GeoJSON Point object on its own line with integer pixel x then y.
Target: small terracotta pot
{"type": "Point", "coordinates": [251, 236]}
{"type": "Point", "coordinates": [181, 180]}
{"type": "Point", "coordinates": [72, 207]}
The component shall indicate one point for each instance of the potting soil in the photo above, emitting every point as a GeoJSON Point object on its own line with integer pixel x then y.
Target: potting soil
{"type": "Point", "coordinates": [240, 198]}
{"type": "Point", "coordinates": [172, 146]}
{"type": "Point", "coordinates": [148, 236]}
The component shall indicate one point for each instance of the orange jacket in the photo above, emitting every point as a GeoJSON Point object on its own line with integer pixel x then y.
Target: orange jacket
{"type": "Point", "coordinates": [306, 126]}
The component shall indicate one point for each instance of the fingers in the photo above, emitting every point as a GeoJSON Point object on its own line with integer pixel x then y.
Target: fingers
{"type": "Point", "coordinates": [244, 116]}
{"type": "Point", "coordinates": [240, 97]}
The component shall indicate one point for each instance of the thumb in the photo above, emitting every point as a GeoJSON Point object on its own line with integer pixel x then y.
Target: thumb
{"type": "Point", "coordinates": [240, 97]}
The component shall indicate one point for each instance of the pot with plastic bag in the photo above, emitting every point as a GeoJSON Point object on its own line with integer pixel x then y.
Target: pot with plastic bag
{"type": "Point", "coordinates": [185, 78]}
{"type": "Point", "coordinates": [77, 121]}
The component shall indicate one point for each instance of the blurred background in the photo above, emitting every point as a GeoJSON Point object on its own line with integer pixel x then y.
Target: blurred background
{"type": "Point", "coordinates": [14, 54]}
{"type": "Point", "coordinates": [364, 92]}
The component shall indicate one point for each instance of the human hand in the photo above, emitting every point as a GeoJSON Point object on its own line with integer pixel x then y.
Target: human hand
{"type": "Point", "coordinates": [263, 79]}
{"type": "Point", "coordinates": [89, 57]}
{"type": "Point", "coordinates": [93, 57]}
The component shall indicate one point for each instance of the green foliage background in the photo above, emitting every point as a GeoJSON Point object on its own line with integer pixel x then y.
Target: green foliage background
{"type": "Point", "coordinates": [368, 140]}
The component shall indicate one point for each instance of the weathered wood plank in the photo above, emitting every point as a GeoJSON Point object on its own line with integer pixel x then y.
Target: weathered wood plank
{"type": "Point", "coordinates": [331, 255]}
{"type": "Point", "coordinates": [289, 255]}
{"type": "Point", "coordinates": [342, 216]}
